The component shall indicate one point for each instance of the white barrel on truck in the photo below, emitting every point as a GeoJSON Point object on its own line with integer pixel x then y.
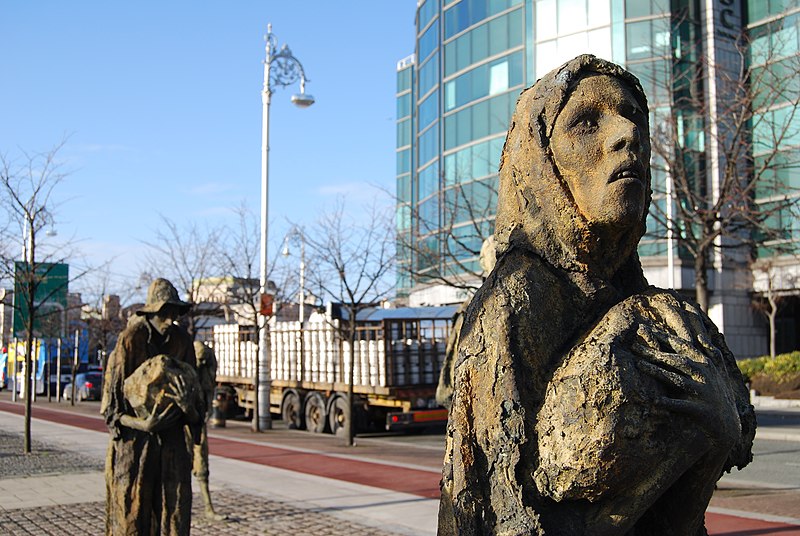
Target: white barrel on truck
{"type": "Point", "coordinates": [396, 361]}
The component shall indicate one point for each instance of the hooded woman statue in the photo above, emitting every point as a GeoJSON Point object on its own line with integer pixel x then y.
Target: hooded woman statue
{"type": "Point", "coordinates": [585, 401]}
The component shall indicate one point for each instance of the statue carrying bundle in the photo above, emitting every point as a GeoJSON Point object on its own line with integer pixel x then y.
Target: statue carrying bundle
{"type": "Point", "coordinates": [585, 401]}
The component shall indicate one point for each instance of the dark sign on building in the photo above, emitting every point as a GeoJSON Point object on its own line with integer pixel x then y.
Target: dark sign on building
{"type": "Point", "coordinates": [49, 284]}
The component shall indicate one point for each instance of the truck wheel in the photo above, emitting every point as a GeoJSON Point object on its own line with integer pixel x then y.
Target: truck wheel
{"type": "Point", "coordinates": [291, 411]}
{"type": "Point", "coordinates": [337, 415]}
{"type": "Point", "coordinates": [316, 417]}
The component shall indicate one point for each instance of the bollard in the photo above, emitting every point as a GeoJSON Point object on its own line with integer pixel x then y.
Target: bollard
{"type": "Point", "coordinates": [218, 405]}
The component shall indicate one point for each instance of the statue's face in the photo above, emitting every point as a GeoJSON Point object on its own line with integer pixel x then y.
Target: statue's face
{"type": "Point", "coordinates": [165, 317]}
{"type": "Point", "coordinates": [601, 146]}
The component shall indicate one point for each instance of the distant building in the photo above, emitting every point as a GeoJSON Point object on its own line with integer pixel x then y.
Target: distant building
{"type": "Point", "coordinates": [228, 300]}
{"type": "Point", "coordinates": [111, 307]}
{"type": "Point", "coordinates": [225, 289]}
{"type": "Point", "coordinates": [456, 93]}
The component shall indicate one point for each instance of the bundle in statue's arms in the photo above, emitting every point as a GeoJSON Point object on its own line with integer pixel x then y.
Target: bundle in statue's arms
{"type": "Point", "coordinates": [150, 387]}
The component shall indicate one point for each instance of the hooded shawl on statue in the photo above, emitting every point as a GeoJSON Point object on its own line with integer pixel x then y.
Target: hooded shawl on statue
{"type": "Point", "coordinates": [585, 401]}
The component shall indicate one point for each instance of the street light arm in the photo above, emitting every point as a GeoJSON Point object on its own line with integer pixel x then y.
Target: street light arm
{"type": "Point", "coordinates": [285, 69]}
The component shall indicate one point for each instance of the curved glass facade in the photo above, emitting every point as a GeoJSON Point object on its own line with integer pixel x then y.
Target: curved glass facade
{"type": "Point", "coordinates": [454, 104]}
{"type": "Point", "coordinates": [774, 27]}
{"type": "Point", "coordinates": [455, 98]}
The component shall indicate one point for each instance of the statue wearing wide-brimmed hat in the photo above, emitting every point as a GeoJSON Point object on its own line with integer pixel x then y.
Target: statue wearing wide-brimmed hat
{"type": "Point", "coordinates": [161, 293]}
{"type": "Point", "coordinates": [148, 466]}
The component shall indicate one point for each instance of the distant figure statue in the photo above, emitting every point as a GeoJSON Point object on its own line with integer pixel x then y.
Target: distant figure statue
{"type": "Point", "coordinates": [207, 372]}
{"type": "Point", "coordinates": [585, 401]}
{"type": "Point", "coordinates": [150, 393]}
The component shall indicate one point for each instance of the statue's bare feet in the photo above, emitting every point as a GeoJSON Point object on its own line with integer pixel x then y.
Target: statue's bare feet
{"type": "Point", "coordinates": [213, 516]}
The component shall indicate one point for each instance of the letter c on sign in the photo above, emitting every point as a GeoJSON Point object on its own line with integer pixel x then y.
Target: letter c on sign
{"type": "Point", "coordinates": [725, 18]}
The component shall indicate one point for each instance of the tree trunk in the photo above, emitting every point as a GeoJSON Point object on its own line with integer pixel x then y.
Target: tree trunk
{"type": "Point", "coordinates": [27, 382]}
{"type": "Point", "coordinates": [701, 281]}
{"type": "Point", "coordinates": [30, 298]}
{"type": "Point", "coordinates": [772, 314]}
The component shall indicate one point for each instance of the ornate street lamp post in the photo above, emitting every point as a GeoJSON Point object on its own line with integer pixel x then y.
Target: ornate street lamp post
{"type": "Point", "coordinates": [281, 69]}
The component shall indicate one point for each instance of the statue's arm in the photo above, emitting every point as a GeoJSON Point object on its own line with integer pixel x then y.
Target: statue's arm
{"type": "Point", "coordinates": [114, 405]}
{"type": "Point", "coordinates": [155, 422]}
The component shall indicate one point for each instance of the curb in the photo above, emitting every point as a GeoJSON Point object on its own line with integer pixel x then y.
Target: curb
{"type": "Point", "coordinates": [753, 515]}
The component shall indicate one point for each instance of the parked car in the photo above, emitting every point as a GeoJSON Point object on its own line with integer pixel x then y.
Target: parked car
{"type": "Point", "coordinates": [66, 375]}
{"type": "Point", "coordinates": [89, 386]}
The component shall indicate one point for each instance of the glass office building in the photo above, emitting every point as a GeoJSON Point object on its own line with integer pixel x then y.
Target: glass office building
{"type": "Point", "coordinates": [456, 93]}
{"type": "Point", "coordinates": [774, 30]}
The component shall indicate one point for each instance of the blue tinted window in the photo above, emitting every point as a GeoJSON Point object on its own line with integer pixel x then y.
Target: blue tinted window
{"type": "Point", "coordinates": [480, 120]}
{"type": "Point", "coordinates": [403, 133]}
{"type": "Point", "coordinates": [649, 38]}
{"type": "Point", "coordinates": [403, 161]}
{"type": "Point", "coordinates": [429, 41]}
{"type": "Point", "coordinates": [404, 188]}
{"type": "Point", "coordinates": [490, 78]}
{"type": "Point", "coordinates": [404, 80]}
{"type": "Point", "coordinates": [486, 40]}
{"type": "Point", "coordinates": [645, 8]}
{"type": "Point", "coordinates": [429, 74]}
{"type": "Point", "coordinates": [403, 217]}
{"type": "Point", "coordinates": [427, 11]}
{"type": "Point", "coordinates": [429, 181]}
{"type": "Point", "coordinates": [428, 110]}
{"type": "Point", "coordinates": [429, 216]}
{"type": "Point", "coordinates": [429, 145]}
{"type": "Point", "coordinates": [403, 105]}
{"type": "Point", "coordinates": [471, 201]}
{"type": "Point", "coordinates": [465, 14]}
{"type": "Point", "coordinates": [760, 9]}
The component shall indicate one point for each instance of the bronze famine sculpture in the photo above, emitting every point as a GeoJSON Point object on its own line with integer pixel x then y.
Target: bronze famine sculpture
{"type": "Point", "coordinates": [150, 394]}
{"type": "Point", "coordinates": [585, 401]}
{"type": "Point", "coordinates": [207, 373]}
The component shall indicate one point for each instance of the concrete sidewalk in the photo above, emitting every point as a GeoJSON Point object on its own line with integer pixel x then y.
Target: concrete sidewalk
{"type": "Point", "coordinates": [304, 483]}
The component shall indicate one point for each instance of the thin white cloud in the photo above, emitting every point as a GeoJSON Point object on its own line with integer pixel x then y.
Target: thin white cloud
{"type": "Point", "coordinates": [213, 211]}
{"type": "Point", "coordinates": [211, 188]}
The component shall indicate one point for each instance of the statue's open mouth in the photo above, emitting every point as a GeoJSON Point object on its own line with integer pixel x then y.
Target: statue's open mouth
{"type": "Point", "coordinates": [627, 172]}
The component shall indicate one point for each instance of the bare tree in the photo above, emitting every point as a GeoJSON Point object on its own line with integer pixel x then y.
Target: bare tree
{"type": "Point", "coordinates": [745, 133]}
{"type": "Point", "coordinates": [27, 193]}
{"type": "Point", "coordinates": [103, 310]}
{"type": "Point", "coordinates": [444, 247]}
{"type": "Point", "coordinates": [768, 280]}
{"type": "Point", "coordinates": [353, 259]}
{"type": "Point", "coordinates": [240, 258]}
{"type": "Point", "coordinates": [189, 256]}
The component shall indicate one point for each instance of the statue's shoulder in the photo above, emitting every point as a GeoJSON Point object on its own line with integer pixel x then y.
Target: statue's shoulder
{"type": "Point", "coordinates": [135, 328]}
{"type": "Point", "coordinates": [521, 293]}
{"type": "Point", "coordinates": [520, 275]}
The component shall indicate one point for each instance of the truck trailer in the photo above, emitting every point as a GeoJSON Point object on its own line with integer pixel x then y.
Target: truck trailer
{"type": "Point", "coordinates": [396, 360]}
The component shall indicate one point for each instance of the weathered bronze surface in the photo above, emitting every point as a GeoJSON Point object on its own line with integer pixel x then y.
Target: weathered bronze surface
{"type": "Point", "coordinates": [444, 389]}
{"type": "Point", "coordinates": [207, 374]}
{"type": "Point", "coordinates": [585, 401]}
{"type": "Point", "coordinates": [148, 464]}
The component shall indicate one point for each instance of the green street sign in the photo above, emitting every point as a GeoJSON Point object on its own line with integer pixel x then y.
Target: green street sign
{"type": "Point", "coordinates": [49, 282]}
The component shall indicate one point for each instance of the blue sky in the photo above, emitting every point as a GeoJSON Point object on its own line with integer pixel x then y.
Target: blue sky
{"type": "Point", "coordinates": [162, 105]}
